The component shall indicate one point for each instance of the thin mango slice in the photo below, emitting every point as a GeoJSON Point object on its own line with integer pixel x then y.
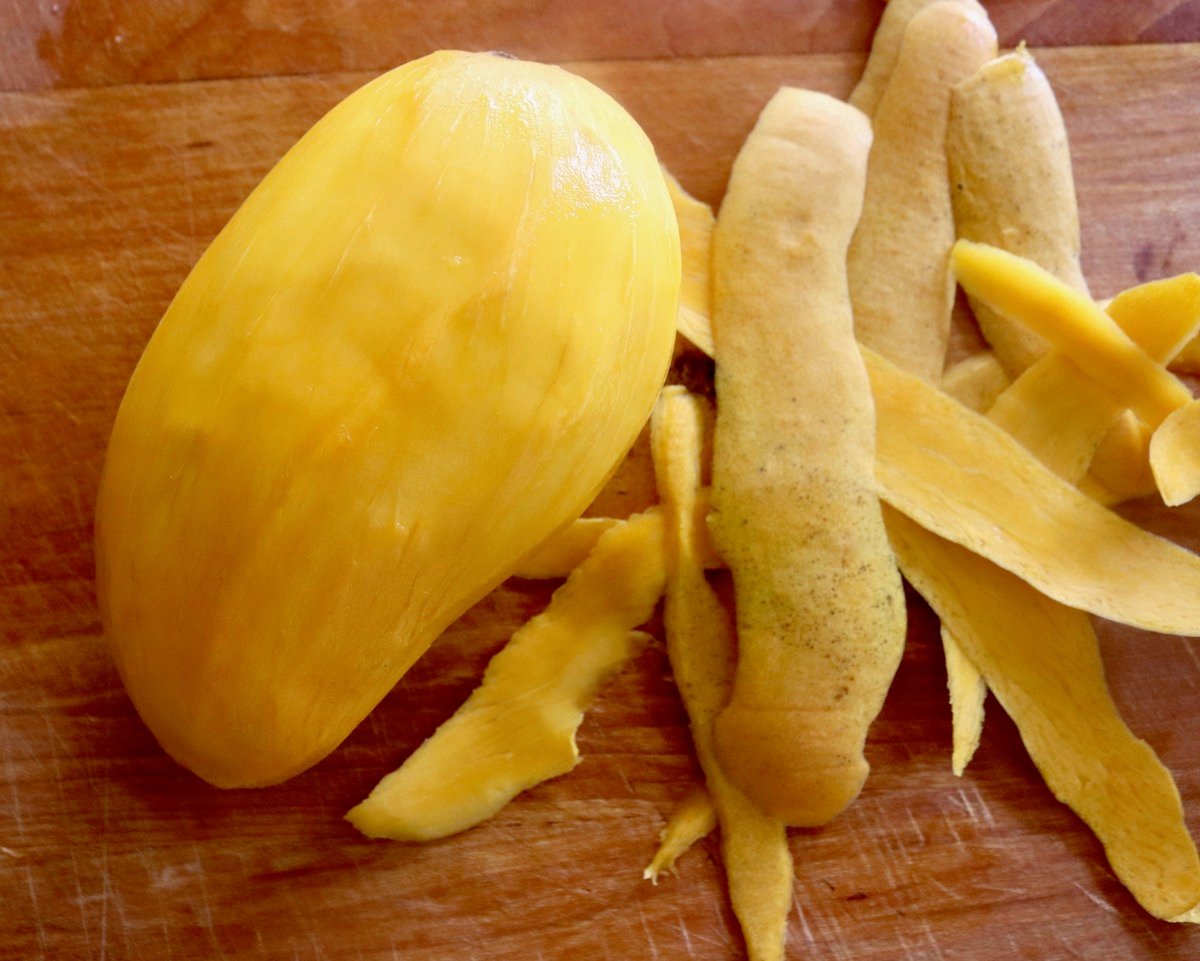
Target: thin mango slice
{"type": "Point", "coordinates": [1013, 187]}
{"type": "Point", "coordinates": [1120, 468]}
{"type": "Point", "coordinates": [518, 727]}
{"type": "Point", "coordinates": [1062, 415]}
{"type": "Point", "coordinates": [976, 381]}
{"type": "Point", "coordinates": [694, 819]}
{"type": "Point", "coordinates": [1174, 448]}
{"type": "Point", "coordinates": [820, 607]}
{"type": "Point", "coordinates": [701, 646]}
{"type": "Point", "coordinates": [1149, 313]}
{"type": "Point", "coordinates": [900, 287]}
{"type": "Point", "coordinates": [1160, 316]}
{"type": "Point", "coordinates": [959, 475]}
{"type": "Point", "coordinates": [1057, 413]}
{"type": "Point", "coordinates": [1187, 361]}
{"type": "Point", "coordinates": [566, 549]}
{"type": "Point", "coordinates": [968, 694]}
{"type": "Point", "coordinates": [885, 51]}
{"type": "Point", "coordinates": [1175, 455]}
{"type": "Point", "coordinates": [1042, 661]}
{"type": "Point", "coordinates": [1022, 291]}
{"type": "Point", "coordinates": [695, 247]}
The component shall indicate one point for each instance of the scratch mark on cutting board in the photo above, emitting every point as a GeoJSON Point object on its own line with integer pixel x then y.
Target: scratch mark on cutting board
{"type": "Point", "coordinates": [110, 898]}
{"type": "Point", "coordinates": [870, 864]}
{"type": "Point", "coordinates": [912, 820]}
{"type": "Point", "coordinates": [204, 909]}
{"type": "Point", "coordinates": [1094, 898]}
{"type": "Point", "coordinates": [808, 933]}
{"type": "Point", "coordinates": [80, 901]}
{"type": "Point", "coordinates": [37, 912]}
{"type": "Point", "coordinates": [646, 931]}
{"type": "Point", "coordinates": [77, 171]}
{"type": "Point", "coordinates": [976, 808]}
{"type": "Point", "coordinates": [172, 877]}
{"type": "Point", "coordinates": [932, 941]}
{"type": "Point", "coordinates": [947, 892]}
{"type": "Point", "coordinates": [837, 940]}
{"type": "Point", "coordinates": [949, 823]}
{"type": "Point", "coordinates": [14, 808]}
{"type": "Point", "coordinates": [68, 412]}
{"type": "Point", "coordinates": [628, 786]}
{"type": "Point", "coordinates": [1071, 950]}
{"type": "Point", "coordinates": [57, 746]}
{"type": "Point", "coordinates": [683, 931]}
{"type": "Point", "coordinates": [152, 879]}
{"type": "Point", "coordinates": [104, 902]}
{"type": "Point", "coordinates": [1190, 648]}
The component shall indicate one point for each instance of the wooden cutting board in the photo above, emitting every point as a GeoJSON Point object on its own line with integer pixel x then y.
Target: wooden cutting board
{"type": "Point", "coordinates": [108, 194]}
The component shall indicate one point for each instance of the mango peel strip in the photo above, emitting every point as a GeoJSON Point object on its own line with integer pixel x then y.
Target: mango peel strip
{"type": "Point", "coordinates": [518, 727]}
{"type": "Point", "coordinates": [1022, 291]}
{"type": "Point", "coordinates": [819, 601]}
{"type": "Point", "coordinates": [701, 646]}
{"type": "Point", "coordinates": [1042, 662]}
{"type": "Point", "coordinates": [963, 478]}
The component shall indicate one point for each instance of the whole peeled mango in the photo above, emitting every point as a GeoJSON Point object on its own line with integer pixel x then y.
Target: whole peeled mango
{"type": "Point", "coordinates": [420, 347]}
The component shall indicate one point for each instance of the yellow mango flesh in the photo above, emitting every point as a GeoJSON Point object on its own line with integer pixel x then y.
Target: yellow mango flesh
{"type": "Point", "coordinates": [695, 818]}
{"type": "Point", "coordinates": [417, 350]}
{"type": "Point", "coordinates": [696, 221]}
{"type": "Point", "coordinates": [517, 729]}
{"type": "Point", "coordinates": [976, 381]}
{"type": "Point", "coordinates": [566, 549]}
{"type": "Point", "coordinates": [1072, 322]}
{"type": "Point", "coordinates": [1175, 455]}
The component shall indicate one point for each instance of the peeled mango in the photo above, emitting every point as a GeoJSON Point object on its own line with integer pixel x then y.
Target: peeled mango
{"type": "Point", "coordinates": [420, 347]}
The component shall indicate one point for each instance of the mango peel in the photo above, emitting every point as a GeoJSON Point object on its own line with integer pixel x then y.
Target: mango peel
{"type": "Point", "coordinates": [820, 607]}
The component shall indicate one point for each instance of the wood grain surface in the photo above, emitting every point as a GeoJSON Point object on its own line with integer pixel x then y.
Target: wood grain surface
{"type": "Point", "coordinates": [108, 194]}
{"type": "Point", "coordinates": [88, 42]}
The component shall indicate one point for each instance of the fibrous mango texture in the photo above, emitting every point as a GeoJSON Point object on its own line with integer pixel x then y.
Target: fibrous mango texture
{"type": "Point", "coordinates": [517, 729]}
{"type": "Point", "coordinates": [418, 349]}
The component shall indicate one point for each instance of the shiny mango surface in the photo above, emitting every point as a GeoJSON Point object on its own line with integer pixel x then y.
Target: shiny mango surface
{"type": "Point", "coordinates": [419, 348]}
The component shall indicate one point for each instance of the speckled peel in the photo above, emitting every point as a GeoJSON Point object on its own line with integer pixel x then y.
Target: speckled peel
{"type": "Point", "coordinates": [820, 607]}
